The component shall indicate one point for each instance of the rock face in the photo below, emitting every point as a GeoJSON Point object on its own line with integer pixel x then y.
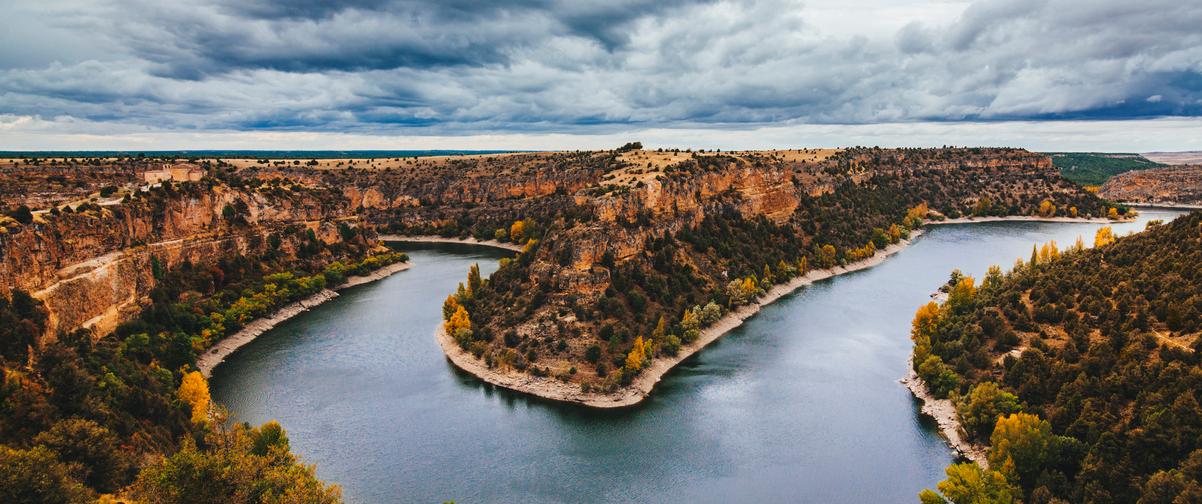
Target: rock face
{"type": "Point", "coordinates": [1180, 185]}
{"type": "Point", "coordinates": [94, 267]}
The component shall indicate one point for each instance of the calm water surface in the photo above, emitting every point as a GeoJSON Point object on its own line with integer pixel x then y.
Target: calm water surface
{"type": "Point", "coordinates": [800, 404]}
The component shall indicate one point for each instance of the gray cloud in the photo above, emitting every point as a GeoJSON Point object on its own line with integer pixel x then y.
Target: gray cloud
{"type": "Point", "coordinates": [387, 66]}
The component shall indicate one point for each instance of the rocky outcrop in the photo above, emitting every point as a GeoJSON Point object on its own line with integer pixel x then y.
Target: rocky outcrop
{"type": "Point", "coordinates": [94, 267]}
{"type": "Point", "coordinates": [1174, 185]}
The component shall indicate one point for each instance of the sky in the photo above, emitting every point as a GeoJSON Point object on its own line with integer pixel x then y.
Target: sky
{"type": "Point", "coordinates": [1102, 75]}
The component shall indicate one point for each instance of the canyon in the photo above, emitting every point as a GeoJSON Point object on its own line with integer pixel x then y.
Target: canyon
{"type": "Point", "coordinates": [616, 246]}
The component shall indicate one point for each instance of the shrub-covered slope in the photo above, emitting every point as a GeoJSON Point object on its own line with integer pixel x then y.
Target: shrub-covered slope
{"type": "Point", "coordinates": [1091, 358]}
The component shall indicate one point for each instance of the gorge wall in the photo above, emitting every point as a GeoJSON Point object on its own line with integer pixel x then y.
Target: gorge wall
{"type": "Point", "coordinates": [94, 266]}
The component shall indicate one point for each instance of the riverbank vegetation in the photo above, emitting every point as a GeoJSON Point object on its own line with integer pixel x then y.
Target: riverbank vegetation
{"type": "Point", "coordinates": [1080, 368]}
{"type": "Point", "coordinates": [127, 414]}
{"type": "Point", "coordinates": [82, 417]}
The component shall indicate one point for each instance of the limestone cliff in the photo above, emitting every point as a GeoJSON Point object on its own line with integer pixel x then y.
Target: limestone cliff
{"type": "Point", "coordinates": [94, 267]}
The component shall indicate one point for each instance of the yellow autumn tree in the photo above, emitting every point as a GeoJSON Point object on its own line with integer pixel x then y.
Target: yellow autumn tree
{"type": "Point", "coordinates": [1048, 252]}
{"type": "Point", "coordinates": [1021, 446]}
{"type": "Point", "coordinates": [968, 483]}
{"type": "Point", "coordinates": [1047, 209]}
{"type": "Point", "coordinates": [925, 323]}
{"type": "Point", "coordinates": [194, 391]}
{"type": "Point", "coordinates": [459, 320]}
{"type": "Point", "coordinates": [639, 356]}
{"type": "Point", "coordinates": [517, 232]}
{"type": "Point", "coordinates": [962, 293]}
{"type": "Point", "coordinates": [895, 233]}
{"type": "Point", "coordinates": [1113, 213]}
{"type": "Point", "coordinates": [1105, 236]}
{"type": "Point", "coordinates": [916, 215]}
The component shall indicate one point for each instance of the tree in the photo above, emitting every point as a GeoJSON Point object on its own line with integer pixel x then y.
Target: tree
{"type": "Point", "coordinates": [638, 357]}
{"type": "Point", "coordinates": [1048, 252]}
{"type": "Point", "coordinates": [827, 256]}
{"type": "Point", "coordinates": [1023, 444]}
{"type": "Point", "coordinates": [473, 280]}
{"type": "Point", "coordinates": [880, 239]}
{"type": "Point", "coordinates": [968, 483]}
{"type": "Point", "coordinates": [981, 408]}
{"type": "Point", "coordinates": [993, 278]}
{"type": "Point", "coordinates": [36, 476]}
{"type": "Point", "coordinates": [458, 322]}
{"type": "Point", "coordinates": [449, 306]}
{"type": "Point", "coordinates": [961, 295]}
{"type": "Point", "coordinates": [270, 436]}
{"type": "Point", "coordinates": [916, 215]}
{"type": "Point", "coordinates": [243, 465]}
{"type": "Point", "coordinates": [1047, 209]}
{"type": "Point", "coordinates": [941, 378]}
{"type": "Point", "coordinates": [1104, 236]}
{"type": "Point", "coordinates": [194, 391]}
{"type": "Point", "coordinates": [661, 329]}
{"type": "Point", "coordinates": [100, 462]}
{"type": "Point", "coordinates": [517, 232]}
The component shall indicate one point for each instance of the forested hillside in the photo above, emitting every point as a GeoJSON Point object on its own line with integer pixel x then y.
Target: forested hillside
{"type": "Point", "coordinates": [1080, 368]}
{"type": "Point", "coordinates": [1095, 168]}
{"type": "Point", "coordinates": [123, 411]}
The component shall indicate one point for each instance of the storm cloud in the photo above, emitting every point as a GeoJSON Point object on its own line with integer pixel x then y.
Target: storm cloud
{"type": "Point", "coordinates": [460, 67]}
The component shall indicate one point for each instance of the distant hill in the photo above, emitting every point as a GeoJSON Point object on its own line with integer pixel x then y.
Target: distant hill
{"type": "Point", "coordinates": [1176, 158]}
{"type": "Point", "coordinates": [1094, 168]}
{"type": "Point", "coordinates": [249, 154]}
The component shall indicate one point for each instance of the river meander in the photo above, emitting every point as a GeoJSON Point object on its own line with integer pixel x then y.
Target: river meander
{"type": "Point", "coordinates": [800, 404]}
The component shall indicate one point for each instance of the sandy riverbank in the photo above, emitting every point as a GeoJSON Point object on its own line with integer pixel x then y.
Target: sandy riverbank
{"type": "Point", "coordinates": [1027, 218]}
{"type": "Point", "coordinates": [442, 239]}
{"type": "Point", "coordinates": [217, 353]}
{"type": "Point", "coordinates": [640, 388]}
{"type": "Point", "coordinates": [944, 413]}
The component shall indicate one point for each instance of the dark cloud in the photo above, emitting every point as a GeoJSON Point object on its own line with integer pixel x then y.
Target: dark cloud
{"type": "Point", "coordinates": [460, 66]}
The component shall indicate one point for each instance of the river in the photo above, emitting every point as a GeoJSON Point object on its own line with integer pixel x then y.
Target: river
{"type": "Point", "coordinates": [800, 404]}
